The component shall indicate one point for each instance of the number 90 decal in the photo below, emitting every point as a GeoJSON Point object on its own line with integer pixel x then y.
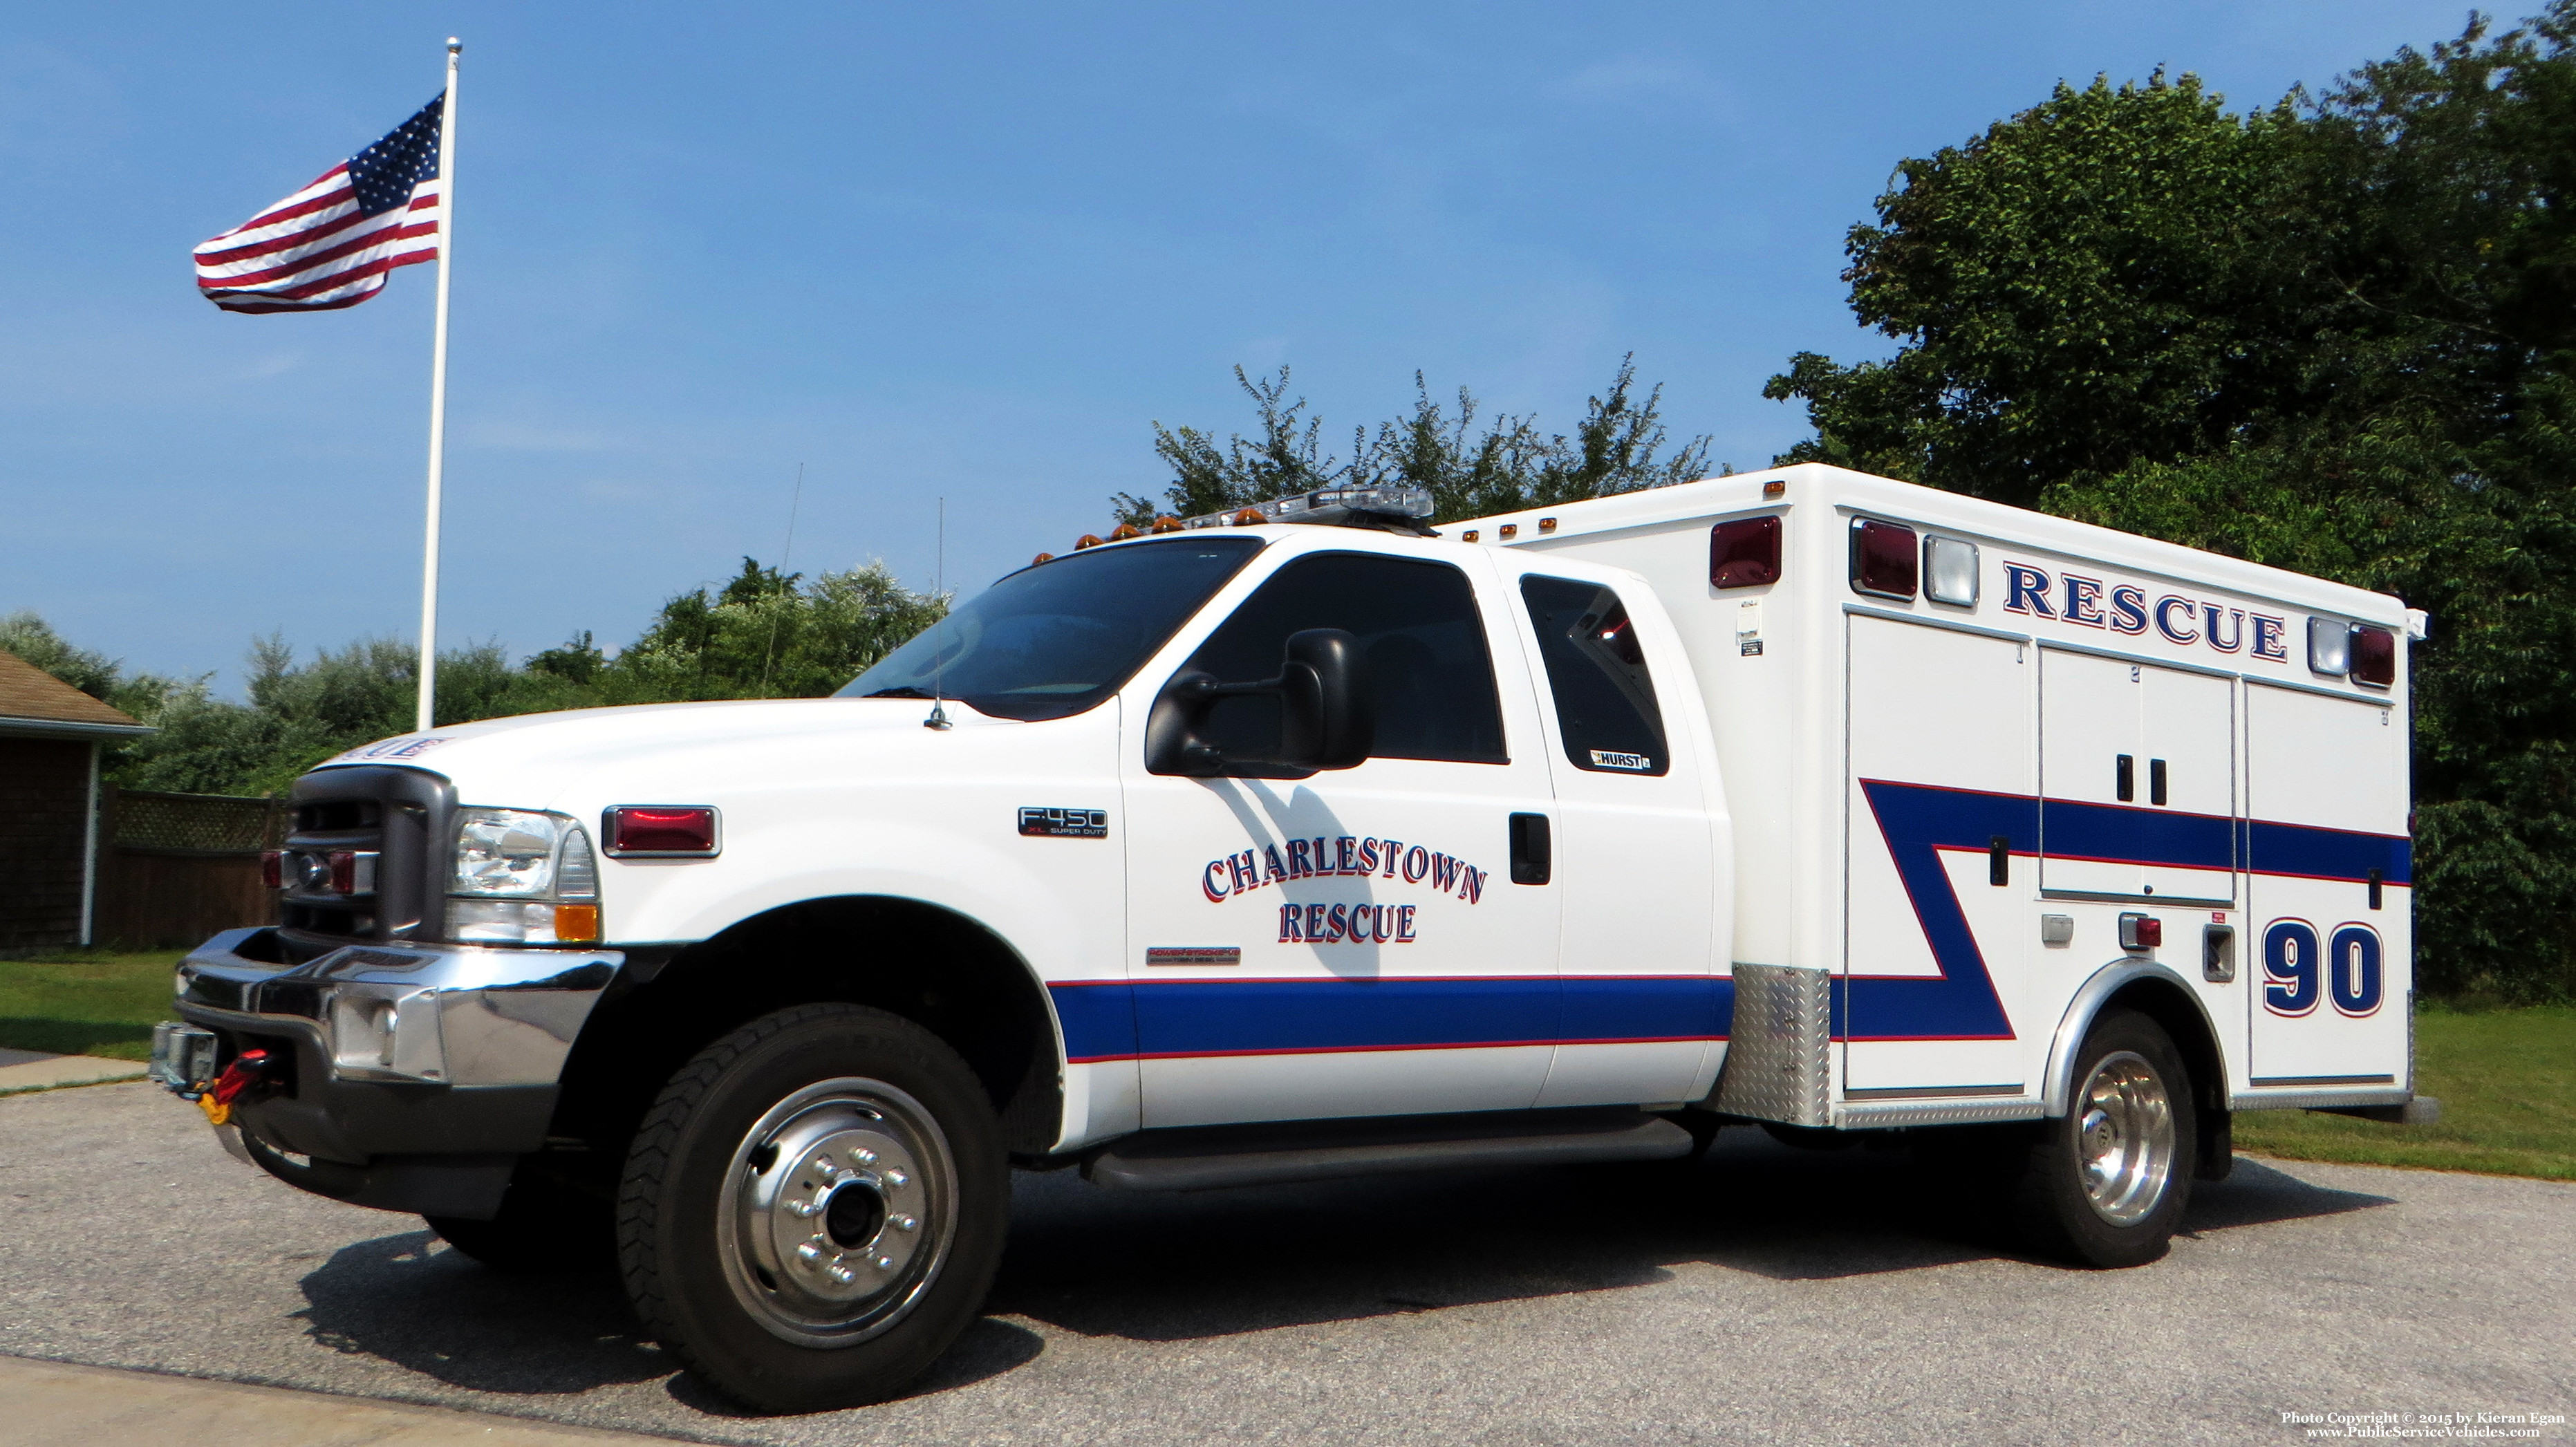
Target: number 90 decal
{"type": "Point", "coordinates": [2296, 970]}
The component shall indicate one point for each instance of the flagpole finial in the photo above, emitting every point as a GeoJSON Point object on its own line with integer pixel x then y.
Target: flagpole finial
{"type": "Point", "coordinates": [454, 45]}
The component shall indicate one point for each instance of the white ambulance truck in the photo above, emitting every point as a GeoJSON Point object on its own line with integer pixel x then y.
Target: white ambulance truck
{"type": "Point", "coordinates": [1254, 850]}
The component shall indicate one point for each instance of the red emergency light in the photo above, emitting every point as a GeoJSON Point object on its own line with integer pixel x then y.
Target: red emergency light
{"type": "Point", "coordinates": [1884, 559]}
{"type": "Point", "coordinates": [660, 831]}
{"type": "Point", "coordinates": [1744, 553]}
{"type": "Point", "coordinates": [2374, 656]}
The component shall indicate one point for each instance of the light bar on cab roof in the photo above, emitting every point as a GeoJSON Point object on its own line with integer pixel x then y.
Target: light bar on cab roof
{"type": "Point", "coordinates": [1343, 505]}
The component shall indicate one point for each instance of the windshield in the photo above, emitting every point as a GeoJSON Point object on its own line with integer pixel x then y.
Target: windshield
{"type": "Point", "coordinates": [1053, 640]}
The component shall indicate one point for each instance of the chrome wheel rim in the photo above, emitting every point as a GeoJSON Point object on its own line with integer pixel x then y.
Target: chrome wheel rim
{"type": "Point", "coordinates": [839, 1210]}
{"type": "Point", "coordinates": [2124, 1138]}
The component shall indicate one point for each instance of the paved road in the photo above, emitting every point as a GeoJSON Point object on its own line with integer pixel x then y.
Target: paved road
{"type": "Point", "coordinates": [1767, 1296]}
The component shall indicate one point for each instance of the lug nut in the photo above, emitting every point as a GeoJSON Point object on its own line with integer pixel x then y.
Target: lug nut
{"type": "Point", "coordinates": [810, 1251]}
{"type": "Point", "coordinates": [906, 1223]}
{"type": "Point", "coordinates": [897, 1178]}
{"type": "Point", "coordinates": [864, 1157]}
{"type": "Point", "coordinates": [843, 1274]}
{"type": "Point", "coordinates": [885, 1263]}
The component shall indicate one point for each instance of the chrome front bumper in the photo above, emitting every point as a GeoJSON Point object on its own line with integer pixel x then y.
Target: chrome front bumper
{"type": "Point", "coordinates": [412, 1014]}
{"type": "Point", "coordinates": [416, 1075]}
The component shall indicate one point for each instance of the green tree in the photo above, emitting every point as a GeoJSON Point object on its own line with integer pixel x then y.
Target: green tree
{"type": "Point", "coordinates": [2336, 336]}
{"type": "Point", "coordinates": [1508, 464]}
{"type": "Point", "coordinates": [762, 635]}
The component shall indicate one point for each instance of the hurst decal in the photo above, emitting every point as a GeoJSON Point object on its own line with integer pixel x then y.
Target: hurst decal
{"type": "Point", "coordinates": [1348, 856]}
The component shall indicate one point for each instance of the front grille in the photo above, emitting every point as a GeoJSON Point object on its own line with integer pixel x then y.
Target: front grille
{"type": "Point", "coordinates": [403, 817]}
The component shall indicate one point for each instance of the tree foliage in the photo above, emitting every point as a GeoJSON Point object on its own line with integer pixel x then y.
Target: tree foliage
{"type": "Point", "coordinates": [1506, 465]}
{"type": "Point", "coordinates": [2336, 336]}
{"type": "Point", "coordinates": [762, 635]}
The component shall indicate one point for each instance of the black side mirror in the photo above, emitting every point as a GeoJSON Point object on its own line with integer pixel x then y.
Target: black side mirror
{"type": "Point", "coordinates": [1327, 713]}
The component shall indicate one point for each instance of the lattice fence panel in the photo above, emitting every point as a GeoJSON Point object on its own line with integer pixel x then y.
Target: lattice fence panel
{"type": "Point", "coordinates": [197, 823]}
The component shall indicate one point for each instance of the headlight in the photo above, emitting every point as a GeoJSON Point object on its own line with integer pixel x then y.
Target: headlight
{"type": "Point", "coordinates": [524, 877]}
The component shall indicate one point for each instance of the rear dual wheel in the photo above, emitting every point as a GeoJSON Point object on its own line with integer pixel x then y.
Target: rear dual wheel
{"type": "Point", "coordinates": [814, 1208]}
{"type": "Point", "coordinates": [2107, 1183]}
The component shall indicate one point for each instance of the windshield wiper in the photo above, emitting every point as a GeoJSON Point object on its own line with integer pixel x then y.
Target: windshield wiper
{"type": "Point", "coordinates": [901, 690]}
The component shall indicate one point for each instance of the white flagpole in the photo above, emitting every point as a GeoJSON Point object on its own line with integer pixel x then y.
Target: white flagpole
{"type": "Point", "coordinates": [438, 394]}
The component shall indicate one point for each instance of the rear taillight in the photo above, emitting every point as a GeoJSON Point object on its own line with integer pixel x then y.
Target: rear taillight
{"type": "Point", "coordinates": [660, 830]}
{"type": "Point", "coordinates": [272, 868]}
{"type": "Point", "coordinates": [2374, 657]}
{"type": "Point", "coordinates": [1883, 559]}
{"type": "Point", "coordinates": [344, 871]}
{"type": "Point", "coordinates": [1744, 553]}
{"type": "Point", "coordinates": [2141, 932]}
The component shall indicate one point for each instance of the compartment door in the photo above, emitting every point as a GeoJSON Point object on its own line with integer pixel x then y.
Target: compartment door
{"type": "Point", "coordinates": [2329, 973]}
{"type": "Point", "coordinates": [2089, 776]}
{"type": "Point", "coordinates": [1937, 939]}
{"type": "Point", "coordinates": [2138, 782]}
{"type": "Point", "coordinates": [2187, 780]}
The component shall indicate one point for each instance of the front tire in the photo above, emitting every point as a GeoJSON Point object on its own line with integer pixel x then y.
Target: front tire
{"type": "Point", "coordinates": [814, 1208]}
{"type": "Point", "coordinates": [2106, 1184]}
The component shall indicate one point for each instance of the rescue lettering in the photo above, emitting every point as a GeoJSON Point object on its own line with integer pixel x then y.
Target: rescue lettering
{"type": "Point", "coordinates": [2123, 608]}
{"type": "Point", "coordinates": [1346, 924]}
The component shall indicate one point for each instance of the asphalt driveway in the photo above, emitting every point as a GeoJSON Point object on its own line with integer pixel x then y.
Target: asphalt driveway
{"type": "Point", "coordinates": [1767, 1295]}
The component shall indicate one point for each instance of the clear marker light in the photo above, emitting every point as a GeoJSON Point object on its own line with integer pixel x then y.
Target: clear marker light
{"type": "Point", "coordinates": [2329, 646]}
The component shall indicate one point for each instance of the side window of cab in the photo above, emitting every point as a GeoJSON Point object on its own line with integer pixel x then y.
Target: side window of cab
{"type": "Point", "coordinates": [1605, 698]}
{"type": "Point", "coordinates": [1419, 630]}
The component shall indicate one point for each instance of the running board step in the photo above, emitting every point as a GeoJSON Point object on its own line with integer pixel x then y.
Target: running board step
{"type": "Point", "coordinates": [1204, 1158]}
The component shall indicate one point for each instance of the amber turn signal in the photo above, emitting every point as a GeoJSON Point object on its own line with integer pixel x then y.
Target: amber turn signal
{"type": "Point", "coordinates": [574, 922]}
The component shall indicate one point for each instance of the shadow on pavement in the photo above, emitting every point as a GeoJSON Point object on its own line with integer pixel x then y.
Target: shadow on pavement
{"type": "Point", "coordinates": [1160, 1268]}
{"type": "Point", "coordinates": [2258, 1194]}
{"type": "Point", "coordinates": [1221, 1263]}
{"type": "Point", "coordinates": [422, 1306]}
{"type": "Point", "coordinates": [416, 1304]}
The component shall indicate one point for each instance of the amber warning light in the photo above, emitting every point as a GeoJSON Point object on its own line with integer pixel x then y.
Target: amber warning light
{"type": "Point", "coordinates": [663, 831]}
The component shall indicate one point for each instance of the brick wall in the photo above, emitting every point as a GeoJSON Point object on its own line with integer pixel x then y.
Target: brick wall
{"type": "Point", "coordinates": [44, 796]}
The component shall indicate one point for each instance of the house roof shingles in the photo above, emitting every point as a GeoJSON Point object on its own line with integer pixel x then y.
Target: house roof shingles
{"type": "Point", "coordinates": [29, 694]}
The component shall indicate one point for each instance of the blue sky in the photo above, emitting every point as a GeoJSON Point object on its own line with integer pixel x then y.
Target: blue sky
{"type": "Point", "coordinates": [961, 251]}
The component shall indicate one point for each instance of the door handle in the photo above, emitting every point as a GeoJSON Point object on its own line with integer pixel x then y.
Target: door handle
{"type": "Point", "coordinates": [2155, 781]}
{"type": "Point", "coordinates": [1532, 859]}
{"type": "Point", "coordinates": [2124, 779]}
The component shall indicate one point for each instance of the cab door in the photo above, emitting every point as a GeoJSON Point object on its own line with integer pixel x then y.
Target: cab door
{"type": "Point", "coordinates": [1349, 942]}
{"type": "Point", "coordinates": [1633, 849]}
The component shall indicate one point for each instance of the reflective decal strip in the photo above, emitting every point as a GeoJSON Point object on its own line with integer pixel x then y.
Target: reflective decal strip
{"type": "Point", "coordinates": [1166, 1019]}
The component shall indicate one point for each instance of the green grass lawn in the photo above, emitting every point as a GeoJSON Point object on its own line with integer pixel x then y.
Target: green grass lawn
{"type": "Point", "coordinates": [86, 1002]}
{"type": "Point", "coordinates": [2506, 1078]}
{"type": "Point", "coordinates": [2507, 1083]}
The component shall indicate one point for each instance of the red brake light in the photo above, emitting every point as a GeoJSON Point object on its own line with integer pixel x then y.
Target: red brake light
{"type": "Point", "coordinates": [1884, 560]}
{"type": "Point", "coordinates": [2374, 657]}
{"type": "Point", "coordinates": [344, 871]}
{"type": "Point", "coordinates": [683, 830]}
{"type": "Point", "coordinates": [272, 868]}
{"type": "Point", "coordinates": [1744, 553]}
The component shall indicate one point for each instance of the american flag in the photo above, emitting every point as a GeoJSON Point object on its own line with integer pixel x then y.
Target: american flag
{"type": "Point", "coordinates": [332, 243]}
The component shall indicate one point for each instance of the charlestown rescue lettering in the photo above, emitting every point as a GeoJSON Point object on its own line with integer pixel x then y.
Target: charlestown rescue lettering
{"type": "Point", "coordinates": [1325, 858]}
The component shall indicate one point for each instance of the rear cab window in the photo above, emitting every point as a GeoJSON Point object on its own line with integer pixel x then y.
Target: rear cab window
{"type": "Point", "coordinates": [1597, 675]}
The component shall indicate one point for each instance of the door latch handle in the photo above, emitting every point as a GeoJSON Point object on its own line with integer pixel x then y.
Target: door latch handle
{"type": "Point", "coordinates": [1532, 857]}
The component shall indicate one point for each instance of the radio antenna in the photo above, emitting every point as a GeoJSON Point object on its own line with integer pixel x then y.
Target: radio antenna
{"type": "Point", "coordinates": [784, 586]}
{"type": "Point", "coordinates": [938, 637]}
